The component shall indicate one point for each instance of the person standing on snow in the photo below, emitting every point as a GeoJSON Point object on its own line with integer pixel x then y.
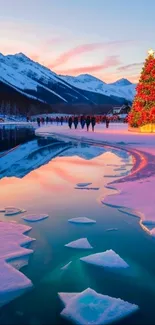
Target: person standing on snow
{"type": "Point", "coordinates": [76, 122]}
{"type": "Point", "coordinates": [88, 122]}
{"type": "Point", "coordinates": [70, 122]}
{"type": "Point", "coordinates": [93, 122]}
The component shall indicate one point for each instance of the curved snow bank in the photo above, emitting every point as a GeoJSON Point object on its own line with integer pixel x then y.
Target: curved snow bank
{"type": "Point", "coordinates": [137, 196]}
{"type": "Point", "coordinates": [106, 259]}
{"type": "Point", "coordinates": [90, 307]}
{"type": "Point", "coordinates": [35, 217]}
{"type": "Point", "coordinates": [81, 243]}
{"type": "Point", "coordinates": [12, 282]}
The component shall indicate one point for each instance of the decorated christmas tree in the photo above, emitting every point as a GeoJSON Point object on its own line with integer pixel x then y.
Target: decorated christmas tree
{"type": "Point", "coordinates": [143, 108]}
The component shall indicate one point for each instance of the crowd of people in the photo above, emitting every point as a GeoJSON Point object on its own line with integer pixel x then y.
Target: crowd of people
{"type": "Point", "coordinates": [73, 121]}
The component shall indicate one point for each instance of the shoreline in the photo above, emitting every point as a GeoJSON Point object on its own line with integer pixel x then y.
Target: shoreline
{"type": "Point", "coordinates": [134, 191]}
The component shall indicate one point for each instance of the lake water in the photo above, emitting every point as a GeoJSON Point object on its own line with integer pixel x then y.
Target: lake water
{"type": "Point", "coordinates": [51, 189]}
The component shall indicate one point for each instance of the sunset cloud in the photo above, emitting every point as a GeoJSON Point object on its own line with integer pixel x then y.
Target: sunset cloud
{"type": "Point", "coordinates": [130, 66]}
{"type": "Point", "coordinates": [66, 56]}
{"type": "Point", "coordinates": [110, 61]}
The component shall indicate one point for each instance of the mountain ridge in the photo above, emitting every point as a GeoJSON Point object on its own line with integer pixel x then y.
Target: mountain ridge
{"type": "Point", "coordinates": [39, 83]}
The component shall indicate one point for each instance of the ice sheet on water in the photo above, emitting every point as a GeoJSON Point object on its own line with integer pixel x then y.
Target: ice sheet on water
{"type": "Point", "coordinates": [10, 211]}
{"type": "Point", "coordinates": [65, 267]}
{"type": "Point", "coordinates": [35, 217]}
{"type": "Point", "coordinates": [87, 188]}
{"type": "Point", "coordinates": [83, 184]}
{"type": "Point", "coordinates": [2, 210]}
{"type": "Point", "coordinates": [112, 229]}
{"type": "Point", "coordinates": [12, 240]}
{"type": "Point", "coordinates": [105, 259]}
{"type": "Point", "coordinates": [82, 220]}
{"type": "Point", "coordinates": [81, 243]}
{"type": "Point", "coordinates": [90, 307]}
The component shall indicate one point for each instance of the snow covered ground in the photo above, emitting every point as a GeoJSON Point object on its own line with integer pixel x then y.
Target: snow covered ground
{"type": "Point", "coordinates": [135, 192]}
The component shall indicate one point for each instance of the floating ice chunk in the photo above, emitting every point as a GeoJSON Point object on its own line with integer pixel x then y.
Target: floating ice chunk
{"type": "Point", "coordinates": [35, 217]}
{"type": "Point", "coordinates": [13, 283]}
{"type": "Point", "coordinates": [87, 188]}
{"type": "Point", "coordinates": [90, 307]}
{"type": "Point", "coordinates": [83, 184]}
{"type": "Point", "coordinates": [65, 267]}
{"type": "Point", "coordinates": [81, 243]}
{"type": "Point", "coordinates": [106, 259]}
{"type": "Point", "coordinates": [66, 297]}
{"type": "Point", "coordinates": [2, 210]}
{"type": "Point", "coordinates": [10, 211]}
{"type": "Point", "coordinates": [82, 220]}
{"type": "Point", "coordinates": [112, 229]}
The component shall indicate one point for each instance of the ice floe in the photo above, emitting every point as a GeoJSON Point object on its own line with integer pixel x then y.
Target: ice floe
{"type": "Point", "coordinates": [13, 283]}
{"type": "Point", "coordinates": [112, 229]}
{"type": "Point", "coordinates": [83, 184]}
{"type": "Point", "coordinates": [10, 211]}
{"type": "Point", "coordinates": [87, 188]}
{"type": "Point", "coordinates": [105, 259]}
{"type": "Point", "coordinates": [35, 217]}
{"type": "Point", "coordinates": [65, 267]}
{"type": "Point", "coordinates": [84, 220]}
{"type": "Point", "coordinates": [89, 307]}
{"type": "Point", "coordinates": [81, 243]}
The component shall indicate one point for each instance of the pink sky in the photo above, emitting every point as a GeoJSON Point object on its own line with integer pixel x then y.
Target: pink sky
{"type": "Point", "coordinates": [107, 39]}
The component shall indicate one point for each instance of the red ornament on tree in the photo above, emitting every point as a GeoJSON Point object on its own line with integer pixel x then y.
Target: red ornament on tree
{"type": "Point", "coordinates": [143, 108]}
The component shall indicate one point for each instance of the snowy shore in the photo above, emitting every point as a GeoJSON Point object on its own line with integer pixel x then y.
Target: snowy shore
{"type": "Point", "coordinates": [134, 193]}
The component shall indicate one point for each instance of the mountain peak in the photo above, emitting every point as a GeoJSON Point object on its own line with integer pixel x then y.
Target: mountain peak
{"type": "Point", "coordinates": [121, 82]}
{"type": "Point", "coordinates": [21, 56]}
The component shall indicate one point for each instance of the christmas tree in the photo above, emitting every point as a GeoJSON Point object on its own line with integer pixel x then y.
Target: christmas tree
{"type": "Point", "coordinates": [143, 108]}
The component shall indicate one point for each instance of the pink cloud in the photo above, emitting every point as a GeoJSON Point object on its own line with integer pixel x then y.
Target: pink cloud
{"type": "Point", "coordinates": [130, 66]}
{"type": "Point", "coordinates": [110, 61]}
{"type": "Point", "coordinates": [66, 56]}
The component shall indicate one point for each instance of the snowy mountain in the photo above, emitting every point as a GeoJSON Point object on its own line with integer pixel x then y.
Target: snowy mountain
{"type": "Point", "coordinates": [19, 74]}
{"type": "Point", "coordinates": [121, 88]}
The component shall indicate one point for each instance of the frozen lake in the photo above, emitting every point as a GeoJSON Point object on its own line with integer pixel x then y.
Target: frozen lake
{"type": "Point", "coordinates": [66, 181]}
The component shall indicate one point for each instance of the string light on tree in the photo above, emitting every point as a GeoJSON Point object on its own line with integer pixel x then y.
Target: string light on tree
{"type": "Point", "coordinates": [143, 108]}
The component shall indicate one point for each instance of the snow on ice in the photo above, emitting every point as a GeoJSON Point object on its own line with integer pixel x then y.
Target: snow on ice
{"type": "Point", "coordinates": [10, 211]}
{"type": "Point", "coordinates": [107, 259]}
{"type": "Point", "coordinates": [35, 217]}
{"type": "Point", "coordinates": [81, 243]}
{"type": "Point", "coordinates": [83, 184]}
{"type": "Point", "coordinates": [13, 283]}
{"type": "Point", "coordinates": [82, 220]}
{"type": "Point", "coordinates": [90, 307]}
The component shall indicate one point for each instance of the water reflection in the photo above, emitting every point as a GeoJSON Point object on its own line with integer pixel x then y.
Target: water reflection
{"type": "Point", "coordinates": [52, 184]}
{"type": "Point", "coordinates": [11, 136]}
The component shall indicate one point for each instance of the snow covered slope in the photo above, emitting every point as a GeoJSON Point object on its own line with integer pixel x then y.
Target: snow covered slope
{"type": "Point", "coordinates": [39, 82]}
{"type": "Point", "coordinates": [121, 88]}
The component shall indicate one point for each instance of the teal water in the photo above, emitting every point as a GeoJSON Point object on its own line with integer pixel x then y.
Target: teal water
{"type": "Point", "coordinates": [50, 189]}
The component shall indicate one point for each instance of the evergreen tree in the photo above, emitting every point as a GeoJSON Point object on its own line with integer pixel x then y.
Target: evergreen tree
{"type": "Point", "coordinates": [143, 108]}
